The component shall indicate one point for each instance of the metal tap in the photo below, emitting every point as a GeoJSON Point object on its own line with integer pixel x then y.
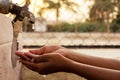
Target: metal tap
{"type": "Point", "coordinates": [21, 12]}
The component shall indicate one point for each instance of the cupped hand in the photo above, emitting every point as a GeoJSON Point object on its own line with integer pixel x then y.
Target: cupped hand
{"type": "Point", "coordinates": [47, 50]}
{"type": "Point", "coordinates": [49, 63]}
{"type": "Point", "coordinates": [53, 49]}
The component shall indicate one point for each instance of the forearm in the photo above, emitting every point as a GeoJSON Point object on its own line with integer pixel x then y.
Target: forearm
{"type": "Point", "coordinates": [94, 73]}
{"type": "Point", "coordinates": [92, 60]}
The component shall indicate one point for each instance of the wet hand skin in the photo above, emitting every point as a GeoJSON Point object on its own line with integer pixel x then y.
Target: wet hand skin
{"type": "Point", "coordinates": [27, 56]}
{"type": "Point", "coordinates": [51, 59]}
{"type": "Point", "coordinates": [46, 63]}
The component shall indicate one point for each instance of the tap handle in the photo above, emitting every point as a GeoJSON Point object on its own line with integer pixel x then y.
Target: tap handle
{"type": "Point", "coordinates": [22, 12]}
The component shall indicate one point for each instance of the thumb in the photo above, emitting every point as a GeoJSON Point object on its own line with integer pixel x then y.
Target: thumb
{"type": "Point", "coordinates": [34, 51]}
{"type": "Point", "coordinates": [38, 51]}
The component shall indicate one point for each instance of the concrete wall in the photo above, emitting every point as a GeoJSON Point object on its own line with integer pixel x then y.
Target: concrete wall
{"type": "Point", "coordinates": [7, 71]}
{"type": "Point", "coordinates": [70, 39]}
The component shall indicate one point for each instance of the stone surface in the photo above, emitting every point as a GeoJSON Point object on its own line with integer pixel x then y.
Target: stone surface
{"type": "Point", "coordinates": [6, 29]}
{"type": "Point", "coordinates": [70, 39]}
{"type": "Point", "coordinates": [30, 75]}
{"type": "Point", "coordinates": [7, 72]}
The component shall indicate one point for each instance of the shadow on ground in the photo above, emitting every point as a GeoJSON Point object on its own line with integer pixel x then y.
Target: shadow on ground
{"type": "Point", "coordinates": [30, 75]}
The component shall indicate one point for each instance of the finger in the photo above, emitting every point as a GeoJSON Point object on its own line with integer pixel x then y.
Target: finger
{"type": "Point", "coordinates": [31, 56]}
{"type": "Point", "coordinates": [21, 55]}
{"type": "Point", "coordinates": [34, 66]}
{"type": "Point", "coordinates": [33, 51]}
{"type": "Point", "coordinates": [27, 62]}
{"type": "Point", "coordinates": [45, 49]}
{"type": "Point", "coordinates": [29, 65]}
{"type": "Point", "coordinates": [42, 58]}
{"type": "Point", "coordinates": [51, 48]}
{"type": "Point", "coordinates": [37, 51]}
{"type": "Point", "coordinates": [18, 53]}
{"type": "Point", "coordinates": [28, 54]}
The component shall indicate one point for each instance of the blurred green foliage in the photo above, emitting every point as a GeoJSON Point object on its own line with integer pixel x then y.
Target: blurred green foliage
{"type": "Point", "coordinates": [101, 11]}
{"type": "Point", "coordinates": [99, 17]}
{"type": "Point", "coordinates": [115, 25]}
{"type": "Point", "coordinates": [91, 27]}
{"type": "Point", "coordinates": [98, 22]}
{"type": "Point", "coordinates": [61, 27]}
{"type": "Point", "coordinates": [77, 27]}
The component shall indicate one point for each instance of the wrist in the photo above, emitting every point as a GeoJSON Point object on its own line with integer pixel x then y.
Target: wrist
{"type": "Point", "coordinates": [70, 66]}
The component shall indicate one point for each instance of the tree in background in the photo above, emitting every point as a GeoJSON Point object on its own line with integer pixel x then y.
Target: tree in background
{"type": "Point", "coordinates": [115, 25]}
{"type": "Point", "coordinates": [57, 5]}
{"type": "Point", "coordinates": [102, 10]}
